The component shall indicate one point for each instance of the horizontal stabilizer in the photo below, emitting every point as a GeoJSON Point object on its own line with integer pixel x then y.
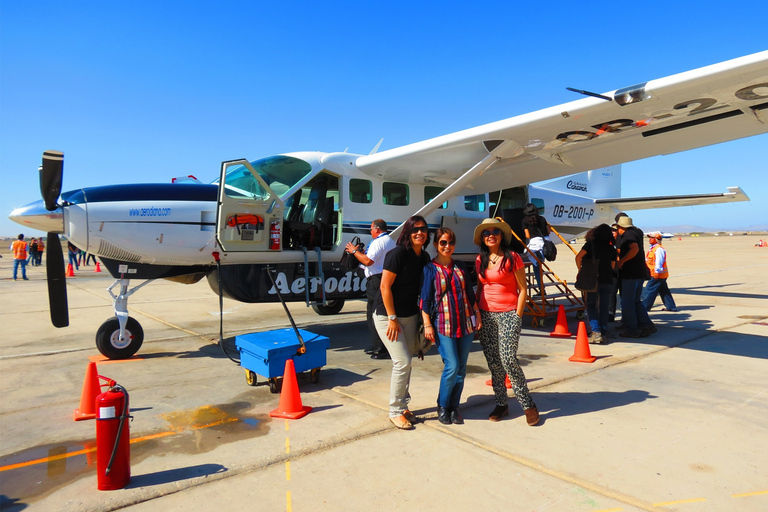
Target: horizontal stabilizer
{"type": "Point", "coordinates": [734, 194]}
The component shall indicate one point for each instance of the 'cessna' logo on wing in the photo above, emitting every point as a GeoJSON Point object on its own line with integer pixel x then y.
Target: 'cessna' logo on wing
{"type": "Point", "coordinates": [575, 185]}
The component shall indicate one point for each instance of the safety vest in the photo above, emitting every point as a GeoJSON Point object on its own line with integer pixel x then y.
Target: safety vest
{"type": "Point", "coordinates": [650, 261]}
{"type": "Point", "coordinates": [40, 246]}
{"type": "Point", "coordinates": [19, 250]}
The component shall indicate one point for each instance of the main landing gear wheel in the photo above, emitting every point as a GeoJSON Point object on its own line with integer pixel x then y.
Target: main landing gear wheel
{"type": "Point", "coordinates": [108, 339]}
{"type": "Point", "coordinates": [332, 307]}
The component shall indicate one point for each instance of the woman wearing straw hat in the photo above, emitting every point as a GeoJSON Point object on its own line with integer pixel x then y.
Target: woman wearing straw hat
{"type": "Point", "coordinates": [501, 293]}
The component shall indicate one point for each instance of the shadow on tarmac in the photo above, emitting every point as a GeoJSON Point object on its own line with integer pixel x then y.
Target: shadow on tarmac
{"type": "Point", "coordinates": [557, 404]}
{"type": "Point", "coordinates": [175, 475]}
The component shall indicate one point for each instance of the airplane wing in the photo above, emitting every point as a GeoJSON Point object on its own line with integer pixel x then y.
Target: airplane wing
{"type": "Point", "coordinates": [717, 103]}
{"type": "Point", "coordinates": [734, 194]}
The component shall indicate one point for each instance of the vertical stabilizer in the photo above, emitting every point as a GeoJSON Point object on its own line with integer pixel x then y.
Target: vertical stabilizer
{"type": "Point", "coordinates": [600, 183]}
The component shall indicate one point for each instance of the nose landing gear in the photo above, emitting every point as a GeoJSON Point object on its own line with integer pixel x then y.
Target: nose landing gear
{"type": "Point", "coordinates": [121, 336]}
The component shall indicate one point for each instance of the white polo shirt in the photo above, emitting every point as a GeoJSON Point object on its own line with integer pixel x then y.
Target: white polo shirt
{"type": "Point", "coordinates": [377, 249]}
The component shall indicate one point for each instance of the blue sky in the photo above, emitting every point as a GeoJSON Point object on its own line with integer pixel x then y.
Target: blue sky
{"type": "Point", "coordinates": [146, 91]}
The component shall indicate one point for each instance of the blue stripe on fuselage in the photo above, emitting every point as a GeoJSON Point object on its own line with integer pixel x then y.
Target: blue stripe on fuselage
{"type": "Point", "coordinates": [143, 192]}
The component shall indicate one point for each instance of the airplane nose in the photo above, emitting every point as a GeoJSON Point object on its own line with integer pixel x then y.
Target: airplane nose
{"type": "Point", "coordinates": [35, 216]}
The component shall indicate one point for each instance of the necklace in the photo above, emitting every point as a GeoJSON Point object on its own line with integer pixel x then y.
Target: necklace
{"type": "Point", "coordinates": [494, 260]}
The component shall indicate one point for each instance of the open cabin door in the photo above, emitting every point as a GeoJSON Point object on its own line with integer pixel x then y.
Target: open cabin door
{"type": "Point", "coordinates": [249, 216]}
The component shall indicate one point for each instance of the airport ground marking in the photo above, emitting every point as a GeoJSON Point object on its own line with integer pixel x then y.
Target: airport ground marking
{"type": "Point", "coordinates": [84, 451]}
{"type": "Point", "coordinates": [748, 494]}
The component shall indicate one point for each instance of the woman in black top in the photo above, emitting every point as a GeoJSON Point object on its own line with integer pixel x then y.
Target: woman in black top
{"type": "Point", "coordinates": [397, 312]}
{"type": "Point", "coordinates": [599, 245]}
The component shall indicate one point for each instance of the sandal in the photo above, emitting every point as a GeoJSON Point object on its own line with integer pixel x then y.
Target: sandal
{"type": "Point", "coordinates": [401, 422]}
{"type": "Point", "coordinates": [410, 416]}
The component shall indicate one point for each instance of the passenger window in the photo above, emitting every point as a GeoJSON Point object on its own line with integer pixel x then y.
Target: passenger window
{"type": "Point", "coordinates": [360, 191]}
{"type": "Point", "coordinates": [395, 194]}
{"type": "Point", "coordinates": [431, 192]}
{"type": "Point", "coordinates": [539, 204]}
{"type": "Point", "coordinates": [474, 203]}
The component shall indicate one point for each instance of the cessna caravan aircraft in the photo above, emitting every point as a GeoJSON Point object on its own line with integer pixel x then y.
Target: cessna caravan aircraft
{"type": "Point", "coordinates": [280, 223]}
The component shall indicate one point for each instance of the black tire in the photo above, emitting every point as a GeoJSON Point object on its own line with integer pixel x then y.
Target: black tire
{"type": "Point", "coordinates": [314, 375]}
{"type": "Point", "coordinates": [580, 314]}
{"type": "Point", "coordinates": [333, 307]}
{"type": "Point", "coordinates": [107, 339]}
{"type": "Point", "coordinates": [250, 378]}
{"type": "Point", "coordinates": [274, 385]}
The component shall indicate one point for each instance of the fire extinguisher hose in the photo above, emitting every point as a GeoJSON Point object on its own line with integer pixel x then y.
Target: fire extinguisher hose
{"type": "Point", "coordinates": [123, 416]}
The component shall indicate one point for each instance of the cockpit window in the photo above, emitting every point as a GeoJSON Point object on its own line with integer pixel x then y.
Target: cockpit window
{"type": "Point", "coordinates": [279, 172]}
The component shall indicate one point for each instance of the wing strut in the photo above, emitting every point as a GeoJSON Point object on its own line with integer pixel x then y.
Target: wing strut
{"type": "Point", "coordinates": [506, 148]}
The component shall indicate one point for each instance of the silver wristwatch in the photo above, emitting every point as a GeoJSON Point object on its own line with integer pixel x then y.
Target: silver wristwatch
{"type": "Point", "coordinates": [393, 317]}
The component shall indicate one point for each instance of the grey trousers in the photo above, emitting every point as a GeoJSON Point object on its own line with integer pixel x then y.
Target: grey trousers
{"type": "Point", "coordinates": [401, 351]}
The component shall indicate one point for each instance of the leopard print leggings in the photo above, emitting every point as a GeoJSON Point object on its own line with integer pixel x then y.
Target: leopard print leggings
{"type": "Point", "coordinates": [499, 338]}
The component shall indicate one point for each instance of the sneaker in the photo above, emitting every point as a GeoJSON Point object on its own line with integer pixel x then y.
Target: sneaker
{"type": "Point", "coordinates": [629, 334]}
{"type": "Point", "coordinates": [25, 278]}
{"type": "Point", "coordinates": [595, 338]}
{"type": "Point", "coordinates": [648, 330]}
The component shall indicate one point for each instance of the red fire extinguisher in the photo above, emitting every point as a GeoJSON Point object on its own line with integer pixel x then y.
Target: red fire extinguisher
{"type": "Point", "coordinates": [274, 234]}
{"type": "Point", "coordinates": [113, 452]}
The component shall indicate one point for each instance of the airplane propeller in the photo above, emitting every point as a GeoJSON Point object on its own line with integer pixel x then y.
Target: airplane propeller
{"type": "Point", "coordinates": [51, 174]}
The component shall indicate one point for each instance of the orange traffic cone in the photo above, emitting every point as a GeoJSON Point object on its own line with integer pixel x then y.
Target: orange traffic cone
{"type": "Point", "coordinates": [290, 400]}
{"type": "Point", "coordinates": [91, 389]}
{"type": "Point", "coordinates": [98, 267]}
{"type": "Point", "coordinates": [70, 271]}
{"type": "Point", "coordinates": [508, 384]}
{"type": "Point", "coordinates": [561, 327]}
{"type": "Point", "coordinates": [581, 353]}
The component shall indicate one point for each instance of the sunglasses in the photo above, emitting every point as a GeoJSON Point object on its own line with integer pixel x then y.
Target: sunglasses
{"type": "Point", "coordinates": [443, 243]}
{"type": "Point", "coordinates": [422, 229]}
{"type": "Point", "coordinates": [489, 232]}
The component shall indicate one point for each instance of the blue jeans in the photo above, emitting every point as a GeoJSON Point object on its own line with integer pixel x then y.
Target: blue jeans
{"type": "Point", "coordinates": [633, 315]}
{"type": "Point", "coordinates": [656, 287]}
{"type": "Point", "coordinates": [73, 260]}
{"type": "Point", "coordinates": [537, 266]}
{"type": "Point", "coordinates": [598, 307]}
{"type": "Point", "coordinates": [23, 264]}
{"type": "Point", "coordinates": [454, 352]}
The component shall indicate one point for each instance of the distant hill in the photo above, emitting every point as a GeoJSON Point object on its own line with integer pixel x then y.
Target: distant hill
{"type": "Point", "coordinates": [689, 228]}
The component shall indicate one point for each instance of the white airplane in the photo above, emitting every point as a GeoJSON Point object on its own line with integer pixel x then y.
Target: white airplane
{"type": "Point", "coordinates": [281, 223]}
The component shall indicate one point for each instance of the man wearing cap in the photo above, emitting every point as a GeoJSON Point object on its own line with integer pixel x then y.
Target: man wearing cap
{"type": "Point", "coordinates": [632, 270]}
{"type": "Point", "coordinates": [656, 260]}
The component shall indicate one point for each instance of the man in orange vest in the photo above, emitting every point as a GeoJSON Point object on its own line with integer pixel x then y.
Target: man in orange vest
{"type": "Point", "coordinates": [40, 250]}
{"type": "Point", "coordinates": [19, 248]}
{"type": "Point", "coordinates": [656, 260]}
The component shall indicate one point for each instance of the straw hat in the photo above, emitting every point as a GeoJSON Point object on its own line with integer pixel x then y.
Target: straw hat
{"type": "Point", "coordinates": [491, 223]}
{"type": "Point", "coordinates": [625, 222]}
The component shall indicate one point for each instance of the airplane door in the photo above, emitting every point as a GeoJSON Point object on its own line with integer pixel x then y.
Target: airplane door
{"type": "Point", "coordinates": [249, 216]}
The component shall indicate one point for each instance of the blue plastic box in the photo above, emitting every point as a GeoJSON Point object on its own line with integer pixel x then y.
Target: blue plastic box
{"type": "Point", "coordinates": [265, 353]}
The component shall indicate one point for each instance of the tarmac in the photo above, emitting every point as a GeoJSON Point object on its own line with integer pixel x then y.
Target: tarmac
{"type": "Point", "coordinates": [677, 421]}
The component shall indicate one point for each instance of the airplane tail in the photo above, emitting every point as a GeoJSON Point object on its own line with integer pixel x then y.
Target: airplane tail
{"type": "Point", "coordinates": [599, 183]}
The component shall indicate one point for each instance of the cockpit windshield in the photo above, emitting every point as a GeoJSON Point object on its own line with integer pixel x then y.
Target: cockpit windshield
{"type": "Point", "coordinates": [279, 172]}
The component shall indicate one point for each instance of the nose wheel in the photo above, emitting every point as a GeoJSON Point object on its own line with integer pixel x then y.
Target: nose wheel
{"type": "Point", "coordinates": [112, 346]}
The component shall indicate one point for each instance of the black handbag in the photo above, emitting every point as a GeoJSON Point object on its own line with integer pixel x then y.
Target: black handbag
{"type": "Point", "coordinates": [348, 261]}
{"type": "Point", "coordinates": [587, 278]}
{"type": "Point", "coordinates": [550, 250]}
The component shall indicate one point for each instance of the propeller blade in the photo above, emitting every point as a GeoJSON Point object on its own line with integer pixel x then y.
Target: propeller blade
{"type": "Point", "coordinates": [51, 174]}
{"type": "Point", "coordinates": [57, 282]}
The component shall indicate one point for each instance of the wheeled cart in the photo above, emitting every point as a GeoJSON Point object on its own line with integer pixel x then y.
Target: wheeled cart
{"type": "Point", "coordinates": [265, 353]}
